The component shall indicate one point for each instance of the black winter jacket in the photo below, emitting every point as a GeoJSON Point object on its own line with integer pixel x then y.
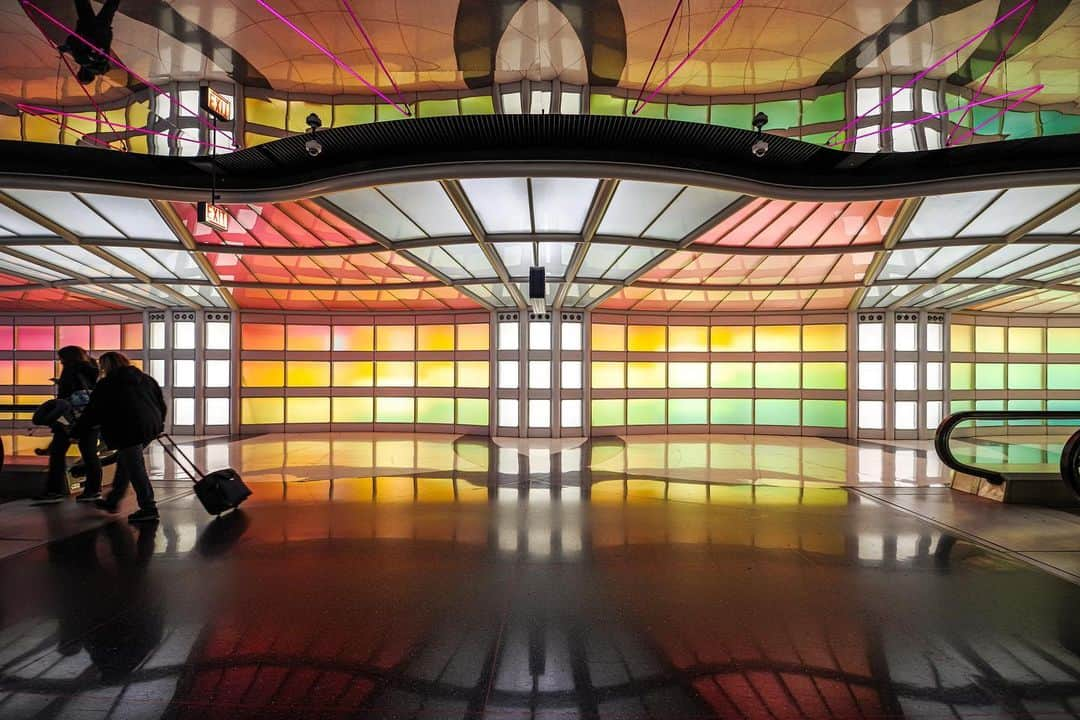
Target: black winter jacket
{"type": "Point", "coordinates": [128, 405]}
{"type": "Point", "coordinates": [80, 376]}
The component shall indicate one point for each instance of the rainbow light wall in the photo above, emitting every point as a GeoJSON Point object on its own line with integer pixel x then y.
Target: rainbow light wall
{"type": "Point", "coordinates": [401, 373]}
{"type": "Point", "coordinates": [780, 376]}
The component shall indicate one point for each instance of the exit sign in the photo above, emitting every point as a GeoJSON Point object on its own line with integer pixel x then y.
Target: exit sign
{"type": "Point", "coordinates": [213, 215]}
{"type": "Point", "coordinates": [216, 104]}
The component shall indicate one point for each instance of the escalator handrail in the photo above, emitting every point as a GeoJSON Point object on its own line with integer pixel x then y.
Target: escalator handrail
{"type": "Point", "coordinates": [950, 423]}
{"type": "Point", "coordinates": [1070, 463]}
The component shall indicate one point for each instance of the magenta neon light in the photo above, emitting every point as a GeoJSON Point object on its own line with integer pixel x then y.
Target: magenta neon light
{"type": "Point", "coordinates": [642, 103]}
{"type": "Point", "coordinates": [40, 111]}
{"type": "Point", "coordinates": [659, 48]}
{"type": "Point", "coordinates": [117, 62]}
{"type": "Point", "coordinates": [371, 46]}
{"type": "Point", "coordinates": [336, 60]}
{"type": "Point", "coordinates": [933, 67]}
{"type": "Point", "coordinates": [997, 64]}
{"type": "Point", "coordinates": [1034, 89]}
{"type": "Point", "coordinates": [975, 103]}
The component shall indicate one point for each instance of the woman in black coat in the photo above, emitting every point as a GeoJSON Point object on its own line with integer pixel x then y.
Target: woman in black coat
{"type": "Point", "coordinates": [78, 376]}
{"type": "Point", "coordinates": [130, 409]}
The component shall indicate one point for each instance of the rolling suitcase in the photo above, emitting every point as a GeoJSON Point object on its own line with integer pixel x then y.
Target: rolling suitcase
{"type": "Point", "coordinates": [220, 491]}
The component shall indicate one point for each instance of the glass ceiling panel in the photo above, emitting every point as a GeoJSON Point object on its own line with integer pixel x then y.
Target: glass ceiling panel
{"type": "Point", "coordinates": [87, 263]}
{"type": "Point", "coordinates": [66, 210]}
{"type": "Point", "coordinates": [378, 213]}
{"type": "Point", "coordinates": [502, 204]}
{"type": "Point", "coordinates": [497, 294]}
{"type": "Point", "coordinates": [1014, 208]}
{"type": "Point", "coordinates": [635, 205]}
{"type": "Point", "coordinates": [691, 209]}
{"type": "Point", "coordinates": [201, 294]}
{"type": "Point", "coordinates": [136, 218]}
{"type": "Point", "coordinates": [630, 262]}
{"type": "Point", "coordinates": [933, 295]}
{"type": "Point", "coordinates": [996, 259]}
{"type": "Point", "coordinates": [427, 205]}
{"type": "Point", "coordinates": [1030, 259]}
{"type": "Point", "coordinates": [582, 294]}
{"type": "Point", "coordinates": [23, 267]}
{"type": "Point", "coordinates": [599, 258]}
{"type": "Point", "coordinates": [942, 216]}
{"type": "Point", "coordinates": [159, 263]}
{"type": "Point", "coordinates": [48, 299]}
{"type": "Point", "coordinates": [560, 205]}
{"type": "Point", "coordinates": [517, 257]}
{"type": "Point", "coordinates": [1066, 223]}
{"type": "Point", "coordinates": [979, 295]}
{"type": "Point", "coordinates": [555, 256]}
{"type": "Point", "coordinates": [441, 261]}
{"type": "Point", "coordinates": [15, 224]}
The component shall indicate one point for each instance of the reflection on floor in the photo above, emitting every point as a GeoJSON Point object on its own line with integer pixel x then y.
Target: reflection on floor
{"type": "Point", "coordinates": [566, 592]}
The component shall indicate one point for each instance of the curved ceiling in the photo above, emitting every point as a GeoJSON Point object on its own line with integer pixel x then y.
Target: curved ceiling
{"type": "Point", "coordinates": [617, 244]}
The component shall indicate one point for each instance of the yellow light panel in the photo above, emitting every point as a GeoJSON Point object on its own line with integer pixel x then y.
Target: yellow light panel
{"type": "Point", "coordinates": [34, 372]}
{"type": "Point", "coordinates": [307, 374]}
{"type": "Point", "coordinates": [262, 411]}
{"type": "Point", "coordinates": [437, 338]}
{"type": "Point", "coordinates": [683, 338]}
{"type": "Point", "coordinates": [735, 338]}
{"type": "Point", "coordinates": [608, 338]}
{"type": "Point", "coordinates": [352, 410]}
{"type": "Point", "coordinates": [435, 373]}
{"type": "Point", "coordinates": [646, 338]}
{"type": "Point", "coordinates": [472, 374]}
{"type": "Point", "coordinates": [1026, 340]}
{"type": "Point", "coordinates": [607, 375]}
{"type": "Point", "coordinates": [961, 338]}
{"type": "Point", "coordinates": [776, 338]}
{"type": "Point", "coordinates": [356, 338]}
{"type": "Point", "coordinates": [394, 373]}
{"type": "Point", "coordinates": [989, 339]}
{"type": "Point", "coordinates": [396, 338]}
{"type": "Point", "coordinates": [307, 337]}
{"type": "Point", "coordinates": [262, 373]}
{"type": "Point", "coordinates": [646, 375]}
{"type": "Point", "coordinates": [473, 336]}
{"type": "Point", "coordinates": [353, 374]}
{"type": "Point", "coordinates": [824, 338]}
{"type": "Point", "coordinates": [307, 410]}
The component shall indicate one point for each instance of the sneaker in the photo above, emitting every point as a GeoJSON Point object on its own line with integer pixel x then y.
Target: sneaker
{"type": "Point", "coordinates": [48, 498]}
{"type": "Point", "coordinates": [103, 504]}
{"type": "Point", "coordinates": [150, 515]}
{"type": "Point", "coordinates": [88, 497]}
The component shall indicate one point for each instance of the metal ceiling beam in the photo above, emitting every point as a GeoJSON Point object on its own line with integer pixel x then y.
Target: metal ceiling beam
{"type": "Point", "coordinates": [1019, 232]}
{"type": "Point", "coordinates": [904, 215]}
{"type": "Point", "coordinates": [180, 230]}
{"type": "Point", "coordinates": [461, 203]}
{"type": "Point", "coordinates": [605, 190]}
{"type": "Point", "coordinates": [135, 301]}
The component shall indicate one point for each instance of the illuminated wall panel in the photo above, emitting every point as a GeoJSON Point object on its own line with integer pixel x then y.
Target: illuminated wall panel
{"type": "Point", "coordinates": [608, 338]}
{"type": "Point", "coordinates": [1025, 376]}
{"type": "Point", "coordinates": [646, 338]}
{"type": "Point", "coordinates": [608, 413]}
{"type": "Point", "coordinates": [688, 411]}
{"type": "Point", "coordinates": [353, 373]}
{"type": "Point", "coordinates": [262, 373]}
{"type": "Point", "coordinates": [731, 339]}
{"type": "Point", "coordinates": [435, 373]}
{"type": "Point", "coordinates": [641, 375]}
{"type": "Point", "coordinates": [473, 337]}
{"type": "Point", "coordinates": [305, 373]}
{"type": "Point", "coordinates": [472, 374]}
{"type": "Point", "coordinates": [394, 410]}
{"type": "Point", "coordinates": [34, 337]}
{"type": "Point", "coordinates": [133, 336]}
{"type": "Point", "coordinates": [776, 338]}
{"type": "Point", "coordinates": [608, 375]}
{"type": "Point", "coordinates": [731, 411]}
{"type": "Point", "coordinates": [262, 336]}
{"type": "Point", "coordinates": [307, 410]}
{"type": "Point", "coordinates": [356, 338]}
{"type": "Point", "coordinates": [732, 375]}
{"type": "Point", "coordinates": [770, 411]}
{"type": "Point", "coordinates": [682, 338]}
{"type": "Point", "coordinates": [472, 411]}
{"type": "Point", "coordinates": [645, 411]}
{"type": "Point", "coordinates": [1027, 340]}
{"type": "Point", "coordinates": [106, 337]}
{"type": "Point", "coordinates": [825, 375]}
{"type": "Point", "coordinates": [34, 372]}
{"type": "Point", "coordinates": [437, 338]}
{"type": "Point", "coordinates": [78, 335]}
{"type": "Point", "coordinates": [438, 411]}
{"type": "Point", "coordinates": [262, 411]}
{"type": "Point", "coordinates": [824, 338]}
{"type": "Point", "coordinates": [1062, 340]}
{"type": "Point", "coordinates": [307, 337]}
{"type": "Point", "coordinates": [825, 413]}
{"type": "Point", "coordinates": [1063, 377]}
{"type": "Point", "coordinates": [776, 375]}
{"type": "Point", "coordinates": [352, 409]}
{"type": "Point", "coordinates": [395, 338]}
{"type": "Point", "coordinates": [688, 375]}
{"type": "Point", "coordinates": [394, 373]}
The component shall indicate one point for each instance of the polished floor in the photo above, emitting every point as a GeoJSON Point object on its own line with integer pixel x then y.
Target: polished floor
{"type": "Point", "coordinates": [386, 577]}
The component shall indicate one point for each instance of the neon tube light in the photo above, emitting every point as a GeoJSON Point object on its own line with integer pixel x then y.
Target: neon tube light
{"type": "Point", "coordinates": [371, 46]}
{"type": "Point", "coordinates": [659, 48]}
{"type": "Point", "coordinates": [969, 133]}
{"type": "Point", "coordinates": [117, 62]}
{"type": "Point", "coordinates": [986, 78]}
{"type": "Point", "coordinates": [336, 60]}
{"type": "Point", "coordinates": [41, 111]}
{"type": "Point", "coordinates": [712, 31]}
{"type": "Point", "coordinates": [927, 71]}
{"type": "Point", "coordinates": [1026, 92]}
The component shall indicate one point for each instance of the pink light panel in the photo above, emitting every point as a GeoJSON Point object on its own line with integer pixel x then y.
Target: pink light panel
{"type": "Point", "coordinates": [680, 300]}
{"type": "Point", "coordinates": [383, 268]}
{"type": "Point", "coordinates": [426, 299]}
{"type": "Point", "coordinates": [781, 223]}
{"type": "Point", "coordinates": [300, 223]}
{"type": "Point", "coordinates": [48, 299]}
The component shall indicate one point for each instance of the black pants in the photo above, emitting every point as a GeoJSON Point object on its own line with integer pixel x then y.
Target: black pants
{"type": "Point", "coordinates": [131, 470]}
{"type": "Point", "coordinates": [88, 443]}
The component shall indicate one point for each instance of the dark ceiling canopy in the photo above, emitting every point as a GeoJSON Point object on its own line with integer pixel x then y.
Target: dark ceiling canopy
{"type": "Point", "coordinates": [537, 145]}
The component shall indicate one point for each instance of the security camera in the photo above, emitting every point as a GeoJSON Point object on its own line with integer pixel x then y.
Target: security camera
{"type": "Point", "coordinates": [314, 147]}
{"type": "Point", "coordinates": [760, 121]}
{"type": "Point", "coordinates": [314, 122]}
{"type": "Point", "coordinates": [759, 148]}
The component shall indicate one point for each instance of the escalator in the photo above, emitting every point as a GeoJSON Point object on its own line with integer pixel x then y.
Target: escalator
{"type": "Point", "coordinates": [1029, 457]}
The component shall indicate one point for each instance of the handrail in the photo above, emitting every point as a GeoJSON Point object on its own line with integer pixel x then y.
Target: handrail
{"type": "Point", "coordinates": [950, 423]}
{"type": "Point", "coordinates": [1070, 462]}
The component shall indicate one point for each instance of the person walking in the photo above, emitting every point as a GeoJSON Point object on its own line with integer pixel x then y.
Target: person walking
{"type": "Point", "coordinates": [96, 29]}
{"type": "Point", "coordinates": [128, 405]}
{"type": "Point", "coordinates": [78, 376]}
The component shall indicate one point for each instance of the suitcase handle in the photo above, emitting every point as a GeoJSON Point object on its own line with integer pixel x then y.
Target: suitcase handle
{"type": "Point", "coordinates": [173, 450]}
